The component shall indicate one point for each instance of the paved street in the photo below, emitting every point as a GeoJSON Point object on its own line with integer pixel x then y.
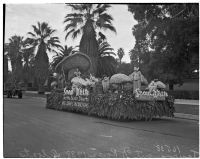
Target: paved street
{"type": "Point", "coordinates": [31, 130]}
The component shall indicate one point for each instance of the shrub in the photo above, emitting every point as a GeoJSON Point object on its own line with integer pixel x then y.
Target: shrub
{"type": "Point", "coordinates": [31, 88]}
{"type": "Point", "coordinates": [184, 94]}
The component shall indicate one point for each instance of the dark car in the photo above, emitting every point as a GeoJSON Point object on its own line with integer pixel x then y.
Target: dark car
{"type": "Point", "coordinates": [12, 90]}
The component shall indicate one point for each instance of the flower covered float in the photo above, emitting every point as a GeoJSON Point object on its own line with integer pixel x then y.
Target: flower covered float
{"type": "Point", "coordinates": [114, 98]}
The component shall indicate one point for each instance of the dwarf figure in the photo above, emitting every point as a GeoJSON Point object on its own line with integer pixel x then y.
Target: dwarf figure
{"type": "Point", "coordinates": [105, 83]}
{"type": "Point", "coordinates": [59, 81]}
{"type": "Point", "coordinates": [77, 73]}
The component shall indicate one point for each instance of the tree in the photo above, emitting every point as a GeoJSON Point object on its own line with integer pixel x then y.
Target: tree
{"type": "Point", "coordinates": [85, 20]}
{"type": "Point", "coordinates": [64, 51]}
{"type": "Point", "coordinates": [120, 53]}
{"type": "Point", "coordinates": [133, 53]}
{"type": "Point", "coordinates": [140, 57]}
{"type": "Point", "coordinates": [106, 63]}
{"type": "Point", "coordinates": [42, 40]}
{"type": "Point", "coordinates": [5, 63]}
{"type": "Point", "coordinates": [168, 34]}
{"type": "Point", "coordinates": [28, 68]}
{"type": "Point", "coordinates": [14, 48]}
{"type": "Point", "coordinates": [125, 68]}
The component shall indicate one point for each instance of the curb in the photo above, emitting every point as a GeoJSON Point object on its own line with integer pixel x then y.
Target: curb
{"type": "Point", "coordinates": [186, 116]}
{"type": "Point", "coordinates": [190, 102]}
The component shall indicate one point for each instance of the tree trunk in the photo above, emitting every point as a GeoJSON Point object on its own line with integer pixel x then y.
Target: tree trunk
{"type": "Point", "coordinates": [41, 66]}
{"type": "Point", "coordinates": [89, 45]}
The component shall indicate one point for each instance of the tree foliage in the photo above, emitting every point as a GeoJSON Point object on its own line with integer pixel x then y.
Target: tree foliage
{"type": "Point", "coordinates": [167, 40]}
{"type": "Point", "coordinates": [106, 62]}
{"type": "Point", "coordinates": [120, 53]}
{"type": "Point", "coordinates": [5, 63]}
{"type": "Point", "coordinates": [14, 53]}
{"type": "Point", "coordinates": [41, 39]}
{"type": "Point", "coordinates": [125, 68]}
{"type": "Point", "coordinates": [87, 19]}
{"type": "Point", "coordinates": [29, 63]}
{"type": "Point", "coordinates": [64, 52]}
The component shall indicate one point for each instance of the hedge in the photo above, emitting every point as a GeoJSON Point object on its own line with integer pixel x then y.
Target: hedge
{"type": "Point", "coordinates": [122, 106]}
{"type": "Point", "coordinates": [184, 94]}
{"type": "Point", "coordinates": [54, 100]}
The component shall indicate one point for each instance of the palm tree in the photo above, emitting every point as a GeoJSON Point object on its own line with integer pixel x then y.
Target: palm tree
{"type": "Point", "coordinates": [42, 40]}
{"type": "Point", "coordinates": [85, 20]}
{"type": "Point", "coordinates": [120, 53]}
{"type": "Point", "coordinates": [14, 48]}
{"type": "Point", "coordinates": [64, 51]}
{"type": "Point", "coordinates": [106, 63]}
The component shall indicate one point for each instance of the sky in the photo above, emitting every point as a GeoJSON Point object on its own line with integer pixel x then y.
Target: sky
{"type": "Point", "coordinates": [20, 17]}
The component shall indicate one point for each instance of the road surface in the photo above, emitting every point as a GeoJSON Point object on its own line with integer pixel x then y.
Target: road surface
{"type": "Point", "coordinates": [31, 130]}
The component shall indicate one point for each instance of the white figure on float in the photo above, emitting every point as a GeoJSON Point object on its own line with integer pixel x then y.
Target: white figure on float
{"type": "Point", "coordinates": [105, 83]}
{"type": "Point", "coordinates": [77, 73]}
{"type": "Point", "coordinates": [156, 84]}
{"type": "Point", "coordinates": [136, 77]}
{"type": "Point", "coordinates": [78, 81]}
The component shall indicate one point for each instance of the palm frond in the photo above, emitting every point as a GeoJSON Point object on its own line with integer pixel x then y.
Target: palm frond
{"type": "Point", "coordinates": [52, 31]}
{"type": "Point", "coordinates": [44, 28]}
{"type": "Point", "coordinates": [32, 41]}
{"type": "Point", "coordinates": [74, 15]}
{"type": "Point", "coordinates": [74, 20]}
{"type": "Point", "coordinates": [102, 36]}
{"type": "Point", "coordinates": [54, 51]}
{"type": "Point", "coordinates": [49, 48]}
{"type": "Point", "coordinates": [76, 7]}
{"type": "Point", "coordinates": [54, 39]}
{"type": "Point", "coordinates": [67, 50]}
{"type": "Point", "coordinates": [53, 45]}
{"type": "Point", "coordinates": [54, 42]}
{"type": "Point", "coordinates": [104, 48]}
{"type": "Point", "coordinates": [76, 33]}
{"type": "Point", "coordinates": [108, 54]}
{"type": "Point", "coordinates": [32, 34]}
{"type": "Point", "coordinates": [109, 26]}
{"type": "Point", "coordinates": [106, 18]}
{"type": "Point", "coordinates": [36, 30]}
{"type": "Point", "coordinates": [68, 33]}
{"type": "Point", "coordinates": [86, 7]}
{"type": "Point", "coordinates": [101, 8]}
{"type": "Point", "coordinates": [48, 32]}
{"type": "Point", "coordinates": [70, 26]}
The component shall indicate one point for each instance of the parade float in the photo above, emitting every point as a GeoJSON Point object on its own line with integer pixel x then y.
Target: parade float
{"type": "Point", "coordinates": [119, 97]}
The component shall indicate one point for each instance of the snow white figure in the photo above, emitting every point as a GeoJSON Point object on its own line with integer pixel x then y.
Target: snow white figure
{"type": "Point", "coordinates": [136, 77]}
